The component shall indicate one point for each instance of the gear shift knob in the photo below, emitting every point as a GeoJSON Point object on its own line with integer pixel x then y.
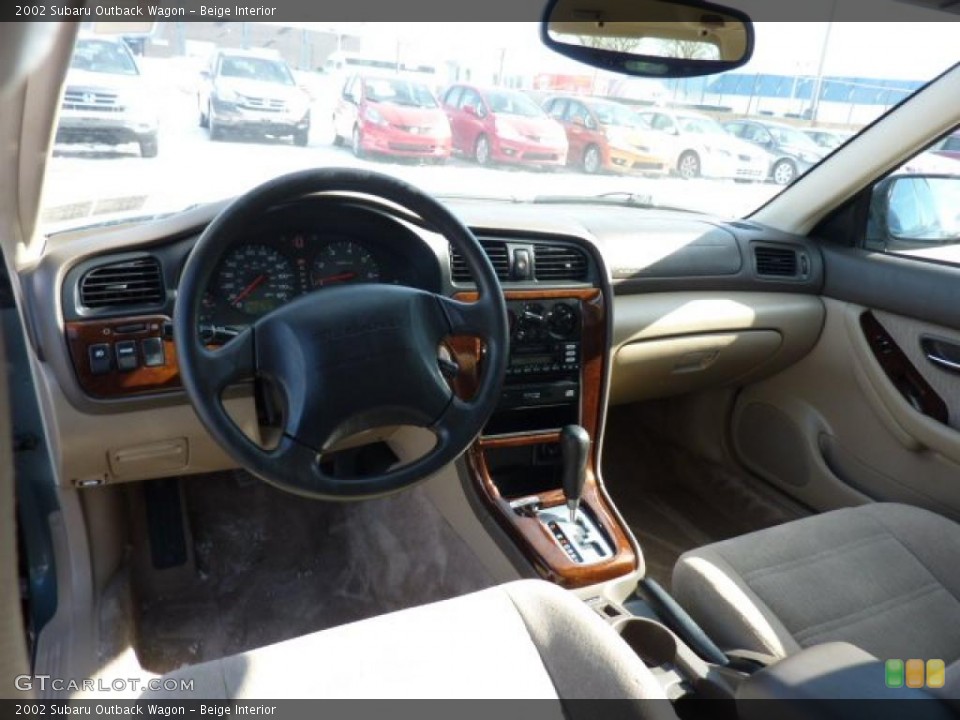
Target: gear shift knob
{"type": "Point", "coordinates": [574, 449]}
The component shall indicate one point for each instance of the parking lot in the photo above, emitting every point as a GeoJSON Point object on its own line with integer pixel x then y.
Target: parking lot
{"type": "Point", "coordinates": [86, 183]}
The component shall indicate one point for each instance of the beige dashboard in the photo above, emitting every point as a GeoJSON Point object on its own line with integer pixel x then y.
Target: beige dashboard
{"type": "Point", "coordinates": [705, 318]}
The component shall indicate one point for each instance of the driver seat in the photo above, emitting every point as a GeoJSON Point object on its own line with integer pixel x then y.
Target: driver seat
{"type": "Point", "coordinates": [527, 639]}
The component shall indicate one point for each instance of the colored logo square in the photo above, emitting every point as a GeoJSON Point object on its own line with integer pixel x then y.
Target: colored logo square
{"type": "Point", "coordinates": [894, 673]}
{"type": "Point", "coordinates": [936, 674]}
{"type": "Point", "coordinates": [915, 673]}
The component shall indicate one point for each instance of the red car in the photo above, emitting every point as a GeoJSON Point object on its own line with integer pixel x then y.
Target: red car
{"type": "Point", "coordinates": [391, 116]}
{"type": "Point", "coordinates": [503, 126]}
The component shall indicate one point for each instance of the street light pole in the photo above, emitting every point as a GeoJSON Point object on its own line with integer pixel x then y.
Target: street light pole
{"type": "Point", "coordinates": [818, 87]}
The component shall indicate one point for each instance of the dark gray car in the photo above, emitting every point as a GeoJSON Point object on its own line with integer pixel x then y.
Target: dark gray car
{"type": "Point", "coordinates": [794, 152]}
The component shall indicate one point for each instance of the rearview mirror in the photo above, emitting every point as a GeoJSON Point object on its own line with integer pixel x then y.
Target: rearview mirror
{"type": "Point", "coordinates": [650, 38]}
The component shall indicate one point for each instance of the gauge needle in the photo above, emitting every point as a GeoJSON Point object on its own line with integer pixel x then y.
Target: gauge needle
{"type": "Point", "coordinates": [337, 278]}
{"type": "Point", "coordinates": [249, 289]}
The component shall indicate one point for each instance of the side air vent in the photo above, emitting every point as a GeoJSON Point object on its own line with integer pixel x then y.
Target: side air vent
{"type": "Point", "coordinates": [775, 262]}
{"type": "Point", "coordinates": [134, 282]}
{"type": "Point", "coordinates": [496, 251]}
{"type": "Point", "coordinates": [558, 262]}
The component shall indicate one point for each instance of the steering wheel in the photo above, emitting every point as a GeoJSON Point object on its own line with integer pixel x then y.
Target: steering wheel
{"type": "Point", "coordinates": [347, 359]}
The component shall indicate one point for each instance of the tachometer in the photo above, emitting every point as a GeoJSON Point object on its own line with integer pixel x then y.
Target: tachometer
{"type": "Point", "coordinates": [256, 279]}
{"type": "Point", "coordinates": [344, 261]}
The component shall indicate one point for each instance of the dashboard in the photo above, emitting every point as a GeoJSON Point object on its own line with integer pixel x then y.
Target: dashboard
{"type": "Point", "coordinates": [639, 279]}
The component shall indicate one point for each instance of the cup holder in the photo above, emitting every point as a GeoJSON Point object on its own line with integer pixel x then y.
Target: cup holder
{"type": "Point", "coordinates": [650, 640]}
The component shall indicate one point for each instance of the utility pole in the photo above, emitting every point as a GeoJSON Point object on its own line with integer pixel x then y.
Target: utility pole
{"type": "Point", "coordinates": [818, 86]}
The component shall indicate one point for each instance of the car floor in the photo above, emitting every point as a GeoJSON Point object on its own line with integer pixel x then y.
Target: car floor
{"type": "Point", "coordinates": [675, 500]}
{"type": "Point", "coordinates": [269, 566]}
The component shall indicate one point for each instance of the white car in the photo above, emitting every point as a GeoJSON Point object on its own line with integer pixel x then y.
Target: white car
{"type": "Point", "coordinates": [702, 148]}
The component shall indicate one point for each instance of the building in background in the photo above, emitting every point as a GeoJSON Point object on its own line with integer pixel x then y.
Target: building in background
{"type": "Point", "coordinates": [828, 100]}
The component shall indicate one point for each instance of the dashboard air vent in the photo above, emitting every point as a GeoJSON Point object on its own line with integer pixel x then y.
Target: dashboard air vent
{"type": "Point", "coordinates": [496, 251]}
{"type": "Point", "coordinates": [558, 262]}
{"type": "Point", "coordinates": [775, 262]}
{"type": "Point", "coordinates": [133, 282]}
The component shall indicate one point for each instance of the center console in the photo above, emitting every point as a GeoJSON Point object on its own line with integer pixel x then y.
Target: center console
{"type": "Point", "coordinates": [520, 468]}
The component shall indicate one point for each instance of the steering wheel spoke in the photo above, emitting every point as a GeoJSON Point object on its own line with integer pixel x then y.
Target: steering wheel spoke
{"type": "Point", "coordinates": [230, 363]}
{"type": "Point", "coordinates": [468, 318]}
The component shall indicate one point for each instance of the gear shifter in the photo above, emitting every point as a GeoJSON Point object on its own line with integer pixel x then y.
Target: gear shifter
{"type": "Point", "coordinates": [574, 449]}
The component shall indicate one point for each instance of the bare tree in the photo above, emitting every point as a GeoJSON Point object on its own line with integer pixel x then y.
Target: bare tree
{"type": "Point", "coordinates": [689, 50]}
{"type": "Point", "coordinates": [617, 44]}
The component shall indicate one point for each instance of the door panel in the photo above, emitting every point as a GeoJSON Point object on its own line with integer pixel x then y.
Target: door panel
{"type": "Point", "coordinates": [837, 429]}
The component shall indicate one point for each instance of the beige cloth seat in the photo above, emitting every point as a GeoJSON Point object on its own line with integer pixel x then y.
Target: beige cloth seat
{"type": "Point", "coordinates": [883, 577]}
{"type": "Point", "coordinates": [527, 639]}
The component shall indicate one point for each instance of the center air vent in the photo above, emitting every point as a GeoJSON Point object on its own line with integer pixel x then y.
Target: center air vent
{"type": "Point", "coordinates": [775, 262]}
{"type": "Point", "coordinates": [496, 251]}
{"type": "Point", "coordinates": [558, 262]}
{"type": "Point", "coordinates": [133, 282]}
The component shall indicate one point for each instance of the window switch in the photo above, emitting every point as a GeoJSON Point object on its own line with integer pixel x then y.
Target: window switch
{"type": "Point", "coordinates": [153, 352]}
{"type": "Point", "coordinates": [99, 356]}
{"type": "Point", "coordinates": [127, 355]}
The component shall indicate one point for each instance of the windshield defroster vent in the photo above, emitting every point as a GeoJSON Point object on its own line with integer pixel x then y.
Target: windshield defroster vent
{"type": "Point", "coordinates": [496, 251]}
{"type": "Point", "coordinates": [559, 262]}
{"type": "Point", "coordinates": [133, 282]}
{"type": "Point", "coordinates": [776, 262]}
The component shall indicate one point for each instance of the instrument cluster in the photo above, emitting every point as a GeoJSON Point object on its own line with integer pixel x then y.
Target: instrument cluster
{"type": "Point", "coordinates": [272, 267]}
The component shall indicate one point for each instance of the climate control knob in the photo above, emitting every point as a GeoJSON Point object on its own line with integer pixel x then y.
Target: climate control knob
{"type": "Point", "coordinates": [563, 320]}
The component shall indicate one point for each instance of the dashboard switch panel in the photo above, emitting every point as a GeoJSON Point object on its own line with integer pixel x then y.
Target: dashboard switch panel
{"type": "Point", "coordinates": [127, 358]}
{"type": "Point", "coordinates": [99, 356]}
{"type": "Point", "coordinates": [153, 355]}
{"type": "Point", "coordinates": [123, 357]}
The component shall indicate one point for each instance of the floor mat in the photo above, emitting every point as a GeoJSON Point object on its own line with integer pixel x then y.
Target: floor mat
{"type": "Point", "coordinates": [675, 501]}
{"type": "Point", "coordinates": [272, 566]}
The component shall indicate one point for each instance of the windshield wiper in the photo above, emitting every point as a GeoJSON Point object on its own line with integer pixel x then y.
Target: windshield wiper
{"type": "Point", "coordinates": [620, 198]}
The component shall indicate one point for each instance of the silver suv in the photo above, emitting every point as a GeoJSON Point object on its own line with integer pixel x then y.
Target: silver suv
{"type": "Point", "coordinates": [252, 93]}
{"type": "Point", "coordinates": [106, 100]}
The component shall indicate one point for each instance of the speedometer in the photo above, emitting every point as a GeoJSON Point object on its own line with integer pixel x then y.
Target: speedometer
{"type": "Point", "coordinates": [256, 279]}
{"type": "Point", "coordinates": [344, 261]}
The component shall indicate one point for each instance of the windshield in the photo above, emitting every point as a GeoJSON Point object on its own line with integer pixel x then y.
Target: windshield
{"type": "Point", "coordinates": [250, 68]}
{"type": "Point", "coordinates": [176, 137]}
{"type": "Point", "coordinates": [102, 56]}
{"type": "Point", "coordinates": [512, 103]}
{"type": "Point", "coordinates": [399, 92]}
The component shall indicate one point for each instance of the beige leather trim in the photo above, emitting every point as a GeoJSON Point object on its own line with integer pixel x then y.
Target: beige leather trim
{"type": "Point", "coordinates": [668, 344]}
{"type": "Point", "coordinates": [909, 422]}
{"type": "Point", "coordinates": [839, 405]}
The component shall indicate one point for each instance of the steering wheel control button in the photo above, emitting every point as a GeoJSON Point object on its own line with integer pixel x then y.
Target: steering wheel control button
{"type": "Point", "coordinates": [127, 359]}
{"type": "Point", "coordinates": [99, 359]}
{"type": "Point", "coordinates": [153, 355]}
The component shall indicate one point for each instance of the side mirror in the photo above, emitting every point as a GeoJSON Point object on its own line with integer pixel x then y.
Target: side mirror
{"type": "Point", "coordinates": [650, 38]}
{"type": "Point", "coordinates": [470, 110]}
{"type": "Point", "coordinates": [915, 211]}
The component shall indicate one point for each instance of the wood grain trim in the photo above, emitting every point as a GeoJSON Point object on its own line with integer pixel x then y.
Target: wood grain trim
{"type": "Point", "coordinates": [538, 545]}
{"type": "Point", "coordinates": [901, 372]}
{"type": "Point", "coordinates": [115, 384]}
{"type": "Point", "coordinates": [531, 537]}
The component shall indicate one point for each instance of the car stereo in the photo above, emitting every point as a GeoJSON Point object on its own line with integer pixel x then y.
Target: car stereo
{"type": "Point", "coordinates": [541, 390]}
